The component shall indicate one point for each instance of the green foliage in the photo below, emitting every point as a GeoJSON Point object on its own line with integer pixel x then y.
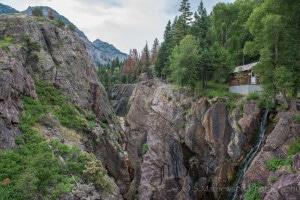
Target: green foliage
{"type": "Point", "coordinates": [4, 43]}
{"type": "Point", "coordinates": [72, 27]}
{"type": "Point", "coordinates": [69, 117]}
{"type": "Point", "coordinates": [230, 105]}
{"type": "Point", "coordinates": [253, 192]}
{"type": "Point", "coordinates": [169, 98]}
{"type": "Point", "coordinates": [297, 118]}
{"type": "Point", "coordinates": [35, 166]}
{"type": "Point", "coordinates": [67, 114]}
{"type": "Point", "coordinates": [37, 12]}
{"type": "Point", "coordinates": [184, 61]}
{"type": "Point", "coordinates": [274, 164]}
{"type": "Point", "coordinates": [95, 173]}
{"type": "Point", "coordinates": [144, 148]}
{"type": "Point", "coordinates": [276, 38]}
{"type": "Point", "coordinates": [91, 124]}
{"type": "Point", "coordinates": [253, 96]}
{"type": "Point", "coordinates": [60, 23]}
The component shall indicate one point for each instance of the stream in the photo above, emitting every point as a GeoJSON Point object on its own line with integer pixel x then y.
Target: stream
{"type": "Point", "coordinates": [250, 155]}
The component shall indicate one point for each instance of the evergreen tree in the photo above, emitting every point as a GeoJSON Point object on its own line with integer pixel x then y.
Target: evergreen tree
{"type": "Point", "coordinates": [145, 61]}
{"type": "Point", "coordinates": [200, 29]}
{"type": "Point", "coordinates": [275, 28]}
{"type": "Point", "coordinates": [154, 51]}
{"type": "Point", "coordinates": [165, 50]}
{"type": "Point", "coordinates": [184, 61]}
{"type": "Point", "coordinates": [37, 12]}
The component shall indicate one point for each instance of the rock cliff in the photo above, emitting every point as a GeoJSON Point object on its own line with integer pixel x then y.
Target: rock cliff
{"type": "Point", "coordinates": [284, 182]}
{"type": "Point", "coordinates": [36, 49]}
{"type": "Point", "coordinates": [171, 145]}
{"type": "Point", "coordinates": [184, 148]}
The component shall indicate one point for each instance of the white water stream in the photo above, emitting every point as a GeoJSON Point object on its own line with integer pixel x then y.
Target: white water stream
{"type": "Point", "coordinates": [250, 155]}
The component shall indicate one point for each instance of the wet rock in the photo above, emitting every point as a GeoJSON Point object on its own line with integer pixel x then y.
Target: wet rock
{"type": "Point", "coordinates": [276, 146]}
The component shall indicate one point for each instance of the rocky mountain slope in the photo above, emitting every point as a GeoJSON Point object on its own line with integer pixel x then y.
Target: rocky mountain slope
{"type": "Point", "coordinates": [101, 52]}
{"type": "Point", "coordinates": [180, 147]}
{"type": "Point", "coordinates": [35, 50]}
{"type": "Point", "coordinates": [167, 144]}
{"type": "Point", "coordinates": [4, 9]}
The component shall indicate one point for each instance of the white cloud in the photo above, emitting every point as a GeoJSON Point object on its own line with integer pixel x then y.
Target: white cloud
{"type": "Point", "coordinates": [126, 24]}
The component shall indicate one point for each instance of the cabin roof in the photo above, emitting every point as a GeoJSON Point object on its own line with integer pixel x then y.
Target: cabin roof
{"type": "Point", "coordinates": [244, 67]}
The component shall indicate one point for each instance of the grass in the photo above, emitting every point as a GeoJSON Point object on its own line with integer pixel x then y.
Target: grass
{"type": "Point", "coordinates": [253, 192]}
{"type": "Point", "coordinates": [253, 96]}
{"type": "Point", "coordinates": [276, 163]}
{"type": "Point", "coordinates": [215, 90]}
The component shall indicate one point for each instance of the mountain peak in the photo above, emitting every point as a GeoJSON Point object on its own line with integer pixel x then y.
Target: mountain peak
{"type": "Point", "coordinates": [4, 9]}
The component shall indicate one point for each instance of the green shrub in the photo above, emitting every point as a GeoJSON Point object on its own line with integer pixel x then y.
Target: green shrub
{"type": "Point", "coordinates": [95, 173]}
{"type": "Point", "coordinates": [69, 117]}
{"type": "Point", "coordinates": [185, 112]}
{"type": "Point", "coordinates": [253, 192]}
{"type": "Point", "coordinates": [169, 98]}
{"type": "Point", "coordinates": [230, 105]}
{"type": "Point", "coordinates": [72, 27]}
{"type": "Point", "coordinates": [253, 96]}
{"type": "Point", "coordinates": [297, 118]}
{"type": "Point", "coordinates": [144, 148]}
{"type": "Point", "coordinates": [34, 166]}
{"type": "Point", "coordinates": [274, 164]}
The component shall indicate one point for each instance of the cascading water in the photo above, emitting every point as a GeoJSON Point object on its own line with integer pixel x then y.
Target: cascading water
{"type": "Point", "coordinates": [250, 155]}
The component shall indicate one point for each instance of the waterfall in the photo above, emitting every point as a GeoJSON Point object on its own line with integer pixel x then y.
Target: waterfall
{"type": "Point", "coordinates": [250, 155]}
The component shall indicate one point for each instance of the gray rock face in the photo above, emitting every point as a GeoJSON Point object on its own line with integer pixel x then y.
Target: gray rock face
{"type": "Point", "coordinates": [286, 185]}
{"type": "Point", "coordinates": [120, 95]}
{"type": "Point", "coordinates": [178, 147]}
{"type": "Point", "coordinates": [63, 62]}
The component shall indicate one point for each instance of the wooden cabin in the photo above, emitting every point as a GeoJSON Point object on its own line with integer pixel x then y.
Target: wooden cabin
{"type": "Point", "coordinates": [242, 80]}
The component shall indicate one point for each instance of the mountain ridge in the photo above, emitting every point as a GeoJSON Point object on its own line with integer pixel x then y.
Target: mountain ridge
{"type": "Point", "coordinates": [99, 53]}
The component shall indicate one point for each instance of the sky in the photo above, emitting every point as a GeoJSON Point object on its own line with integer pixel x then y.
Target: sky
{"type": "Point", "coordinates": [127, 24]}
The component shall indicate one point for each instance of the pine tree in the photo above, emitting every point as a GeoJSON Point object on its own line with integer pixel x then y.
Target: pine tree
{"type": "Point", "coordinates": [145, 61]}
{"type": "Point", "coordinates": [275, 28]}
{"type": "Point", "coordinates": [154, 51]}
{"type": "Point", "coordinates": [37, 12]}
{"type": "Point", "coordinates": [165, 50]}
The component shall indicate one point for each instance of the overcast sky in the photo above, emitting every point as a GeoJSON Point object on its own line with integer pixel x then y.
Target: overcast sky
{"type": "Point", "coordinates": [126, 24]}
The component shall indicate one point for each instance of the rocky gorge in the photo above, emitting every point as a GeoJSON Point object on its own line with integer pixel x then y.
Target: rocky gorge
{"type": "Point", "coordinates": [154, 140]}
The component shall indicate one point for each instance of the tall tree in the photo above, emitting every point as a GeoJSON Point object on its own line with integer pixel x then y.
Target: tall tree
{"type": "Point", "coordinates": [37, 12]}
{"type": "Point", "coordinates": [184, 61]}
{"type": "Point", "coordinates": [154, 51]}
{"type": "Point", "coordinates": [165, 50]}
{"type": "Point", "coordinates": [50, 14]}
{"type": "Point", "coordinates": [200, 29]}
{"type": "Point", "coordinates": [145, 61]}
{"type": "Point", "coordinates": [275, 28]}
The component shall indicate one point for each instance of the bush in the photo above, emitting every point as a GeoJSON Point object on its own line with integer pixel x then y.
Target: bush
{"type": "Point", "coordinates": [72, 27]}
{"type": "Point", "coordinates": [230, 105]}
{"type": "Point", "coordinates": [253, 192]}
{"type": "Point", "coordinates": [274, 164]}
{"type": "Point", "coordinates": [35, 167]}
{"type": "Point", "coordinates": [297, 119]}
{"type": "Point", "coordinates": [145, 148]}
{"type": "Point", "coordinates": [253, 96]}
{"type": "Point", "coordinates": [95, 173]}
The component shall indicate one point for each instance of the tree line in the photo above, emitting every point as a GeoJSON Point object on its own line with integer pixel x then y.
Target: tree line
{"type": "Point", "coordinates": [198, 47]}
